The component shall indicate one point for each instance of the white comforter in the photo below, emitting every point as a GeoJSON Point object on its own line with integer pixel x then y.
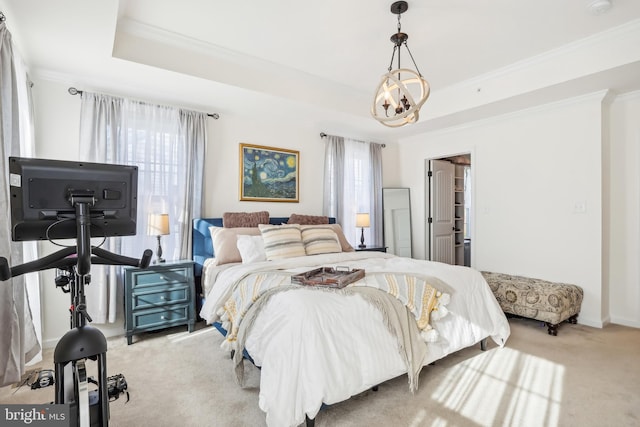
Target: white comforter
{"type": "Point", "coordinates": [318, 347]}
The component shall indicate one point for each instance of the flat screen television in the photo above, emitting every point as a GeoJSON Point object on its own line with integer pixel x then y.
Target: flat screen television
{"type": "Point", "coordinates": [40, 192]}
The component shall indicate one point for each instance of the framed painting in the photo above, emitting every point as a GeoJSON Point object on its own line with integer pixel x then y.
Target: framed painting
{"type": "Point", "coordinates": [269, 174]}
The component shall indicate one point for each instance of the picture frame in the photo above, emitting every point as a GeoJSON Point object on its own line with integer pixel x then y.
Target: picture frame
{"type": "Point", "coordinates": [269, 174]}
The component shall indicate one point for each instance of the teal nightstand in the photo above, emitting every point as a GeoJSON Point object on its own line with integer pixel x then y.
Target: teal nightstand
{"type": "Point", "coordinates": [158, 297]}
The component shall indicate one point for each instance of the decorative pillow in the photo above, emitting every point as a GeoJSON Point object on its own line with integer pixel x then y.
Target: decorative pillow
{"type": "Point", "coordinates": [307, 219]}
{"type": "Point", "coordinates": [251, 249]}
{"type": "Point", "coordinates": [319, 240]}
{"type": "Point", "coordinates": [225, 243]}
{"type": "Point", "coordinates": [282, 241]}
{"type": "Point", "coordinates": [244, 219]}
{"type": "Point", "coordinates": [344, 243]}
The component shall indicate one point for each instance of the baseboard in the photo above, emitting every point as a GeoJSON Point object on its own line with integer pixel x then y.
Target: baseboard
{"type": "Point", "coordinates": [50, 343]}
{"type": "Point", "coordinates": [591, 322]}
{"type": "Point", "coordinates": [634, 323]}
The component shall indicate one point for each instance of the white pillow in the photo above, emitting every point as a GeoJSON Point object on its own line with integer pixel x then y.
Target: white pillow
{"type": "Point", "coordinates": [225, 249]}
{"type": "Point", "coordinates": [251, 249]}
{"type": "Point", "coordinates": [282, 241]}
{"type": "Point", "coordinates": [319, 240]}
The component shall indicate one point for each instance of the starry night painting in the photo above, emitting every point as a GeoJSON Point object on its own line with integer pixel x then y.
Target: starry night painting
{"type": "Point", "coordinates": [268, 174]}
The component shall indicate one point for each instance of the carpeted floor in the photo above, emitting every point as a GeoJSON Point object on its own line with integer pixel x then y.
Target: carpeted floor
{"type": "Point", "coordinates": [582, 377]}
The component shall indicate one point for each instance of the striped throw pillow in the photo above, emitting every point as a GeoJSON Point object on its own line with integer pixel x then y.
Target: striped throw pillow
{"type": "Point", "coordinates": [319, 240]}
{"type": "Point", "coordinates": [282, 241]}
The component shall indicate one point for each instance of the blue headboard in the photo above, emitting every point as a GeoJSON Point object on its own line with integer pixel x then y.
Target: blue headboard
{"type": "Point", "coordinates": [202, 246]}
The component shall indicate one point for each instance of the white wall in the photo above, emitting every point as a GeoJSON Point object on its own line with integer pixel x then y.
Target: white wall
{"type": "Point", "coordinates": [530, 169]}
{"type": "Point", "coordinates": [222, 160]}
{"type": "Point", "coordinates": [57, 137]}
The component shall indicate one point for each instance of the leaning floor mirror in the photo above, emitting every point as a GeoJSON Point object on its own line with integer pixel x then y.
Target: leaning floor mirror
{"type": "Point", "coordinates": [397, 221]}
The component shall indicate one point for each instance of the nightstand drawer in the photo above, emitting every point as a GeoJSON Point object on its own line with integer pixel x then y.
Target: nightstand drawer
{"type": "Point", "coordinates": [161, 318]}
{"type": "Point", "coordinates": [159, 297]}
{"type": "Point", "coordinates": [144, 278]}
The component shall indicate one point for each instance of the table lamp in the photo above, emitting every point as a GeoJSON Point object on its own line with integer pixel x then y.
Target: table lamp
{"type": "Point", "coordinates": [362, 221]}
{"type": "Point", "coordinates": [158, 226]}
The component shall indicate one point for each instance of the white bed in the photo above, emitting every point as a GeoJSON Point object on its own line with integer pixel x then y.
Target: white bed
{"type": "Point", "coordinates": [316, 347]}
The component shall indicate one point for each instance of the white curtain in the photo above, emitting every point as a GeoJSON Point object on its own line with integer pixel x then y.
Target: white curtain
{"type": "Point", "coordinates": [375, 188]}
{"type": "Point", "coordinates": [167, 144]}
{"type": "Point", "coordinates": [19, 336]}
{"type": "Point", "coordinates": [193, 127]}
{"type": "Point", "coordinates": [353, 184]}
{"type": "Point", "coordinates": [334, 178]}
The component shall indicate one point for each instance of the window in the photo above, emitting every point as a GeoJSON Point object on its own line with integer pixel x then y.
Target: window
{"type": "Point", "coordinates": [353, 184]}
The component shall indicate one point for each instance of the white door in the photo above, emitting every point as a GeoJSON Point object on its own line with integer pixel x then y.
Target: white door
{"type": "Point", "coordinates": [441, 211]}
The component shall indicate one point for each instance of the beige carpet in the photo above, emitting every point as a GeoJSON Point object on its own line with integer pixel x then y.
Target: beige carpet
{"type": "Point", "coordinates": [582, 377]}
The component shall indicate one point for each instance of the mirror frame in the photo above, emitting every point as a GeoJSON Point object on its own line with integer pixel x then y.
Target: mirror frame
{"type": "Point", "coordinates": [390, 247]}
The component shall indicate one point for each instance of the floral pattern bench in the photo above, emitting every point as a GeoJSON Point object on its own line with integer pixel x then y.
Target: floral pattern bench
{"type": "Point", "coordinates": [549, 302]}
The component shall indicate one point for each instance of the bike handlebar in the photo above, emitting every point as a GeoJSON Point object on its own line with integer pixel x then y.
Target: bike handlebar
{"type": "Point", "coordinates": [115, 259]}
{"type": "Point", "coordinates": [63, 258]}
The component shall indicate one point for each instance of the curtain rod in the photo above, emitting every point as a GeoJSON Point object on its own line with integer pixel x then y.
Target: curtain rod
{"type": "Point", "coordinates": [322, 135]}
{"type": "Point", "coordinates": [74, 91]}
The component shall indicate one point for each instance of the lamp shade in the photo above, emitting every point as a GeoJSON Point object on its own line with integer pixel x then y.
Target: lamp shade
{"type": "Point", "coordinates": [158, 225]}
{"type": "Point", "coordinates": [362, 220]}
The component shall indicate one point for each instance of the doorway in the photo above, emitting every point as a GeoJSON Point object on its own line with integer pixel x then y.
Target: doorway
{"type": "Point", "coordinates": [449, 209]}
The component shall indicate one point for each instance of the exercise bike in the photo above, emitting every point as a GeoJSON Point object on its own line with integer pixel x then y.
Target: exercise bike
{"type": "Point", "coordinates": [82, 343]}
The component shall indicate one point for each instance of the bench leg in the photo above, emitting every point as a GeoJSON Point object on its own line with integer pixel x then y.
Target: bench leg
{"type": "Point", "coordinates": [552, 329]}
{"type": "Point", "coordinates": [310, 421]}
{"type": "Point", "coordinates": [483, 345]}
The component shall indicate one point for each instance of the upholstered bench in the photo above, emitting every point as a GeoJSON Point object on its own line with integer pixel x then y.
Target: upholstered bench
{"type": "Point", "coordinates": [549, 302]}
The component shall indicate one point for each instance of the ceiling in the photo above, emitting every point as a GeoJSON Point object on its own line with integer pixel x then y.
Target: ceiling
{"type": "Point", "coordinates": [317, 61]}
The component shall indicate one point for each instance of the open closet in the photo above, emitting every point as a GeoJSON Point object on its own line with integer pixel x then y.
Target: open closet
{"type": "Point", "coordinates": [449, 209]}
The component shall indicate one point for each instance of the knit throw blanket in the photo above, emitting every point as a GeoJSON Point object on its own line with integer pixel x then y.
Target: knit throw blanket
{"type": "Point", "coordinates": [419, 294]}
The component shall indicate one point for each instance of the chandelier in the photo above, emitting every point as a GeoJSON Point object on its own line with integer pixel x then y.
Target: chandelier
{"type": "Point", "coordinates": [401, 92]}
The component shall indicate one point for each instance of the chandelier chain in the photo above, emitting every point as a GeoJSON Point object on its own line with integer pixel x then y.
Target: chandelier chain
{"type": "Point", "coordinates": [393, 54]}
{"type": "Point", "coordinates": [412, 60]}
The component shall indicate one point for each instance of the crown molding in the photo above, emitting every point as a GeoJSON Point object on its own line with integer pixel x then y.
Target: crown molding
{"type": "Point", "coordinates": [607, 36]}
{"type": "Point", "coordinates": [599, 96]}
{"type": "Point", "coordinates": [55, 76]}
{"type": "Point", "coordinates": [170, 38]}
{"type": "Point", "coordinates": [629, 96]}
{"type": "Point", "coordinates": [179, 41]}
